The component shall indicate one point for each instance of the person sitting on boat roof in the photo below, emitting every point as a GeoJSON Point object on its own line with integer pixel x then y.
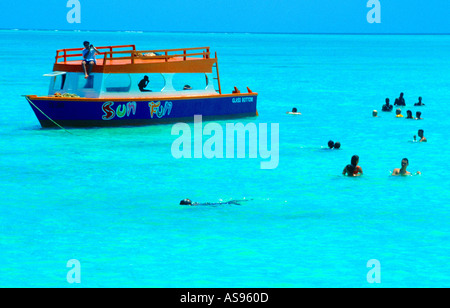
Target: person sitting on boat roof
{"type": "Point", "coordinates": [143, 83]}
{"type": "Point", "coordinates": [89, 60]}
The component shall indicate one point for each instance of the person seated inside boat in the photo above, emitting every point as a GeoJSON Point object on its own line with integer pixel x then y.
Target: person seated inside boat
{"type": "Point", "coordinates": [89, 60]}
{"type": "Point", "coordinates": [387, 106]}
{"type": "Point", "coordinates": [187, 87]}
{"type": "Point", "coordinates": [420, 102]}
{"type": "Point", "coordinates": [143, 83]}
{"type": "Point", "coordinates": [294, 111]}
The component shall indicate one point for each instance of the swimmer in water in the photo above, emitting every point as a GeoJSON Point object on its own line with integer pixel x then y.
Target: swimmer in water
{"type": "Point", "coordinates": [420, 102]}
{"type": "Point", "coordinates": [422, 138]}
{"type": "Point", "coordinates": [409, 114]}
{"type": "Point", "coordinates": [398, 113]}
{"type": "Point", "coordinates": [189, 202]}
{"type": "Point", "coordinates": [402, 170]}
{"type": "Point", "coordinates": [353, 169]}
{"type": "Point", "coordinates": [294, 111]}
{"type": "Point", "coordinates": [418, 114]}
{"type": "Point", "coordinates": [337, 145]}
{"type": "Point", "coordinates": [331, 144]}
{"type": "Point", "coordinates": [387, 106]}
{"type": "Point", "coordinates": [375, 114]}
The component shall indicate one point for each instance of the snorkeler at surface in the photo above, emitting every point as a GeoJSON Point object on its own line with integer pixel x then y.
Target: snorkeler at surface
{"type": "Point", "coordinates": [294, 111]}
{"type": "Point", "coordinates": [353, 169]}
{"type": "Point", "coordinates": [402, 170]}
{"type": "Point", "coordinates": [189, 202]}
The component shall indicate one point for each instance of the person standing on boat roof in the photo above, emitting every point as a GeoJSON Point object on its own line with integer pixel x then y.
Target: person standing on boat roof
{"type": "Point", "coordinates": [89, 60]}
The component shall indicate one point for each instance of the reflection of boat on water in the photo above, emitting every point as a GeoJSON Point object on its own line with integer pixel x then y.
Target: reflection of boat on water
{"type": "Point", "coordinates": [132, 87]}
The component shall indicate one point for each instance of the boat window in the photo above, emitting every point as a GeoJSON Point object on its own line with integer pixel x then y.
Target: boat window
{"type": "Point", "coordinates": [59, 82]}
{"type": "Point", "coordinates": [150, 82]}
{"type": "Point", "coordinates": [86, 83]}
{"type": "Point", "coordinates": [189, 81]}
{"type": "Point", "coordinates": [118, 83]}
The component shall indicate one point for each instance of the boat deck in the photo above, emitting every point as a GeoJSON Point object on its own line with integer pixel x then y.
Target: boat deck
{"type": "Point", "coordinates": [126, 59]}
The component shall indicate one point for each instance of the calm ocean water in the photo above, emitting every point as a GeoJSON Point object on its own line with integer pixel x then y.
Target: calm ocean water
{"type": "Point", "coordinates": [108, 197]}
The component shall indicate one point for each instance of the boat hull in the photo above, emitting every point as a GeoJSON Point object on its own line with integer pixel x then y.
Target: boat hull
{"type": "Point", "coordinates": [85, 112]}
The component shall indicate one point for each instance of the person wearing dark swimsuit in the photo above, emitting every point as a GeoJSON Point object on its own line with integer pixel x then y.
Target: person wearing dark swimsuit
{"type": "Point", "coordinates": [353, 169]}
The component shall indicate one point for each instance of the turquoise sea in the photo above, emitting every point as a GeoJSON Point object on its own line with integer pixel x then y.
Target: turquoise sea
{"type": "Point", "coordinates": [109, 197]}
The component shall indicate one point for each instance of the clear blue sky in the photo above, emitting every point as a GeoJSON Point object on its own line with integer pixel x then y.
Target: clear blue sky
{"type": "Point", "coordinates": [286, 16]}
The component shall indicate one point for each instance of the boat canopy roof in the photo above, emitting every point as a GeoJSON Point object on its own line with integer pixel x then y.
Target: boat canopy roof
{"type": "Point", "coordinates": [126, 59]}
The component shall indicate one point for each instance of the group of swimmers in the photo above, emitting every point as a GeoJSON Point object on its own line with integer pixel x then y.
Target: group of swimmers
{"type": "Point", "coordinates": [353, 169]}
{"type": "Point", "coordinates": [398, 112]}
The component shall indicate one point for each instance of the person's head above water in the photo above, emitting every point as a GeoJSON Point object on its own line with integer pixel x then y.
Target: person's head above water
{"type": "Point", "coordinates": [374, 113]}
{"type": "Point", "coordinates": [354, 160]}
{"type": "Point", "coordinates": [405, 162]}
{"type": "Point", "coordinates": [398, 111]}
{"type": "Point", "coordinates": [330, 144]}
{"type": "Point", "coordinates": [294, 109]}
{"type": "Point", "coordinates": [387, 101]}
{"type": "Point", "coordinates": [186, 202]}
{"type": "Point", "coordinates": [337, 145]}
{"type": "Point", "coordinates": [401, 94]}
{"type": "Point", "coordinates": [418, 114]}
{"type": "Point", "coordinates": [420, 133]}
{"type": "Point", "coordinates": [409, 114]}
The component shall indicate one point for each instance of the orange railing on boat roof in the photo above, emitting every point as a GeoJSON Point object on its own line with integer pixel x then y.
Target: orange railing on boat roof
{"type": "Point", "coordinates": [111, 53]}
{"type": "Point", "coordinates": [77, 52]}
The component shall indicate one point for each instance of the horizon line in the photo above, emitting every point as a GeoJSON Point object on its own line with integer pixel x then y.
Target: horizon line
{"type": "Point", "coordinates": [224, 32]}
